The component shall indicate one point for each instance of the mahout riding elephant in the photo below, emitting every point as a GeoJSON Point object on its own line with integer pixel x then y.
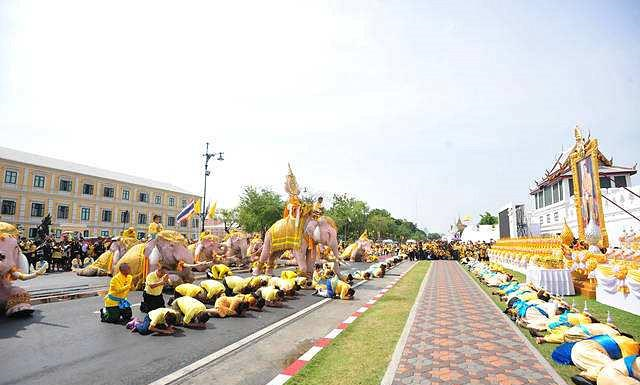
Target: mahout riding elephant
{"type": "Point", "coordinates": [14, 301]}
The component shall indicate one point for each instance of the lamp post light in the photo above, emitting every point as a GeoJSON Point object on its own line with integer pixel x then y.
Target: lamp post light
{"type": "Point", "coordinates": [207, 156]}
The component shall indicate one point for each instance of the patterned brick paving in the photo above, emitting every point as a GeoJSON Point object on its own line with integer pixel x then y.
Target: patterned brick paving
{"type": "Point", "coordinates": [460, 337]}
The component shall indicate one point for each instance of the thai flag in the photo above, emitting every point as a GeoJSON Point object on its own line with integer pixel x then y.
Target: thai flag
{"type": "Point", "coordinates": [186, 212]}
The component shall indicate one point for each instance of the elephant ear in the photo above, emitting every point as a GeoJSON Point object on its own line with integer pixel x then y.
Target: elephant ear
{"type": "Point", "coordinates": [23, 263]}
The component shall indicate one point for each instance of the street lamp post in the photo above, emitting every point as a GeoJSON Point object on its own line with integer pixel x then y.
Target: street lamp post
{"type": "Point", "coordinates": [207, 156]}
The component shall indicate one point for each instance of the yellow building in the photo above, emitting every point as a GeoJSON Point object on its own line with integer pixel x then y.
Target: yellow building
{"type": "Point", "coordinates": [92, 201]}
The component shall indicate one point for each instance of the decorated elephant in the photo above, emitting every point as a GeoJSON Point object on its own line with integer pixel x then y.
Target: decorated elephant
{"type": "Point", "coordinates": [207, 249]}
{"type": "Point", "coordinates": [300, 230]}
{"type": "Point", "coordinates": [236, 244]}
{"type": "Point", "coordinates": [14, 301]}
{"type": "Point", "coordinates": [169, 249]}
{"type": "Point", "coordinates": [359, 250]}
{"type": "Point", "coordinates": [255, 248]}
{"type": "Point", "coordinates": [107, 261]}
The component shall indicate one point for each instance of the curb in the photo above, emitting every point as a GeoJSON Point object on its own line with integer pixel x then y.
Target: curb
{"type": "Point", "coordinates": [67, 297]}
{"type": "Point", "coordinates": [325, 341]}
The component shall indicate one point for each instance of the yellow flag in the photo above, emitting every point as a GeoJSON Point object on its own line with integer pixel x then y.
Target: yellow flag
{"type": "Point", "coordinates": [212, 210]}
{"type": "Point", "coordinates": [197, 208]}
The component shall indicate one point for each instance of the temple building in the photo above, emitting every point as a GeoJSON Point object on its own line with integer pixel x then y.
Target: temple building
{"type": "Point", "coordinates": [551, 199]}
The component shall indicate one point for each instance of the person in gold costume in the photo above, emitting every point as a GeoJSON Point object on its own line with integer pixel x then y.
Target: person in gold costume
{"type": "Point", "coordinates": [155, 227]}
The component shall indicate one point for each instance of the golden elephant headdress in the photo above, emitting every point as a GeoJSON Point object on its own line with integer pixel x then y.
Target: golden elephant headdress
{"type": "Point", "coordinates": [129, 233]}
{"type": "Point", "coordinates": [172, 236]}
{"type": "Point", "coordinates": [8, 230]}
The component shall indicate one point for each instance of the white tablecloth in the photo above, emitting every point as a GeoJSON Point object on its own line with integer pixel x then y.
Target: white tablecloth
{"type": "Point", "coordinates": [555, 281]}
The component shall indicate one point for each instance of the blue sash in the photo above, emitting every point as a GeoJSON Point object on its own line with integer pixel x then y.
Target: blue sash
{"type": "Point", "coordinates": [513, 289]}
{"type": "Point", "coordinates": [609, 345]}
{"type": "Point", "coordinates": [330, 287]}
{"type": "Point", "coordinates": [585, 330]}
{"type": "Point", "coordinates": [563, 321]}
{"type": "Point", "coordinates": [628, 362]}
{"type": "Point", "coordinates": [522, 311]}
{"type": "Point", "coordinates": [122, 302]}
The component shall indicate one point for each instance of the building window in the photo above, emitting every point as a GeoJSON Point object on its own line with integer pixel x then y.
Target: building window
{"type": "Point", "coordinates": [33, 232]}
{"type": "Point", "coordinates": [106, 215]}
{"type": "Point", "coordinates": [183, 224]}
{"type": "Point", "coordinates": [560, 189]}
{"type": "Point", "coordinates": [172, 201]}
{"type": "Point", "coordinates": [194, 222]}
{"type": "Point", "coordinates": [125, 195]}
{"type": "Point", "coordinates": [541, 220]}
{"type": "Point", "coordinates": [85, 234]}
{"type": "Point", "coordinates": [65, 185]}
{"type": "Point", "coordinates": [184, 203]}
{"type": "Point", "coordinates": [171, 221]}
{"type": "Point", "coordinates": [143, 197]}
{"type": "Point", "coordinates": [63, 212]}
{"type": "Point", "coordinates": [142, 219]}
{"type": "Point", "coordinates": [38, 181]}
{"type": "Point", "coordinates": [620, 181]}
{"type": "Point", "coordinates": [124, 216]}
{"type": "Point", "coordinates": [605, 182]}
{"type": "Point", "coordinates": [59, 233]}
{"type": "Point", "coordinates": [87, 189]}
{"type": "Point", "coordinates": [104, 233]}
{"type": "Point", "coordinates": [85, 214]}
{"type": "Point", "coordinates": [547, 196]}
{"type": "Point", "coordinates": [556, 193]}
{"type": "Point", "coordinates": [158, 199]}
{"type": "Point", "coordinates": [140, 235]}
{"type": "Point", "coordinates": [11, 177]}
{"type": "Point", "coordinates": [556, 217]}
{"type": "Point", "coordinates": [37, 209]}
{"type": "Point", "coordinates": [570, 187]}
{"type": "Point", "coordinates": [548, 218]}
{"type": "Point", "coordinates": [108, 192]}
{"type": "Point", "coordinates": [8, 207]}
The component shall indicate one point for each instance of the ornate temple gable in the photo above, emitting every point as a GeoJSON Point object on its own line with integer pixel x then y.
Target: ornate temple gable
{"type": "Point", "coordinates": [562, 166]}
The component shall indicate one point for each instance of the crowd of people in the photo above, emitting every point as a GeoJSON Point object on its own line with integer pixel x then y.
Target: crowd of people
{"type": "Point", "coordinates": [64, 254]}
{"type": "Point", "coordinates": [604, 354]}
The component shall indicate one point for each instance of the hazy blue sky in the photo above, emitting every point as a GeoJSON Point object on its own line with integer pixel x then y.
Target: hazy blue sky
{"type": "Point", "coordinates": [429, 109]}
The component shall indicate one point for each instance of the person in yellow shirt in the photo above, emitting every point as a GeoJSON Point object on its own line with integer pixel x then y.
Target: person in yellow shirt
{"type": "Point", "coordinates": [272, 296]}
{"type": "Point", "coordinates": [219, 271]}
{"type": "Point", "coordinates": [116, 307]}
{"type": "Point", "coordinates": [159, 320]}
{"type": "Point", "coordinates": [229, 307]}
{"type": "Point", "coordinates": [288, 286]}
{"type": "Point", "coordinates": [336, 288]}
{"type": "Point", "coordinates": [238, 285]}
{"type": "Point", "coordinates": [152, 296]}
{"type": "Point", "coordinates": [213, 288]}
{"type": "Point", "coordinates": [190, 290]}
{"type": "Point", "coordinates": [155, 227]}
{"type": "Point", "coordinates": [192, 312]}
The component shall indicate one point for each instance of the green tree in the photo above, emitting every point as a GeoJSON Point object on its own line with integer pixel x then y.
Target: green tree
{"type": "Point", "coordinates": [488, 219]}
{"type": "Point", "coordinates": [350, 215]}
{"type": "Point", "coordinates": [433, 236]}
{"type": "Point", "coordinates": [259, 209]}
{"type": "Point", "coordinates": [229, 218]}
{"type": "Point", "coordinates": [379, 223]}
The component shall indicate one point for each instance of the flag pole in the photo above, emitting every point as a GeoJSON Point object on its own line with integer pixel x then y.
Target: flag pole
{"type": "Point", "coordinates": [207, 156]}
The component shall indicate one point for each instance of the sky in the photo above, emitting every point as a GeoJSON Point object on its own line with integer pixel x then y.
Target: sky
{"type": "Point", "coordinates": [429, 109]}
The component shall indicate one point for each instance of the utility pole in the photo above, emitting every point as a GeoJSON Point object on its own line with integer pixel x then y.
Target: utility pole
{"type": "Point", "coordinates": [207, 156]}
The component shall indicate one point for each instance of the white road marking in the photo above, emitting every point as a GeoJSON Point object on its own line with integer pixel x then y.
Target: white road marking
{"type": "Point", "coordinates": [310, 353]}
{"type": "Point", "coordinates": [362, 309]}
{"type": "Point", "coordinates": [280, 379]}
{"type": "Point", "coordinates": [350, 319]}
{"type": "Point", "coordinates": [333, 334]}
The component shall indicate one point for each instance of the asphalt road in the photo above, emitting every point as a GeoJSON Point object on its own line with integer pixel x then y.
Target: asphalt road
{"type": "Point", "coordinates": [65, 343]}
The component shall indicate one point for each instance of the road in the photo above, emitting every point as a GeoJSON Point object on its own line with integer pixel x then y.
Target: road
{"type": "Point", "coordinates": [65, 343]}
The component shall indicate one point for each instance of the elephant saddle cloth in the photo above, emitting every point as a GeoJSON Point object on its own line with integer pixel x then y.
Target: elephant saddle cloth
{"type": "Point", "coordinates": [285, 235]}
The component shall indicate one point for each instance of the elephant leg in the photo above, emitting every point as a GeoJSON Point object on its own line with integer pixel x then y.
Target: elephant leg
{"type": "Point", "coordinates": [264, 255]}
{"type": "Point", "coordinates": [333, 243]}
{"type": "Point", "coordinates": [301, 257]}
{"type": "Point", "coordinates": [311, 260]}
{"type": "Point", "coordinates": [18, 303]}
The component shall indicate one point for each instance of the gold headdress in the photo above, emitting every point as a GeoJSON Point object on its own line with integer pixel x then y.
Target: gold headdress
{"type": "Point", "coordinates": [290, 184]}
{"type": "Point", "coordinates": [129, 233]}
{"type": "Point", "coordinates": [567, 235]}
{"type": "Point", "coordinates": [206, 235]}
{"type": "Point", "coordinates": [364, 236]}
{"type": "Point", "coordinates": [8, 230]}
{"type": "Point", "coordinates": [172, 236]}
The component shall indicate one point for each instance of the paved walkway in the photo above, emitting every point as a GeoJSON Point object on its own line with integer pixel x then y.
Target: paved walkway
{"type": "Point", "coordinates": [460, 337]}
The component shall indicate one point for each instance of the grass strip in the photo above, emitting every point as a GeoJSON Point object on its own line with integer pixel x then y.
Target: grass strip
{"type": "Point", "coordinates": [361, 353]}
{"type": "Point", "coordinates": [626, 321]}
